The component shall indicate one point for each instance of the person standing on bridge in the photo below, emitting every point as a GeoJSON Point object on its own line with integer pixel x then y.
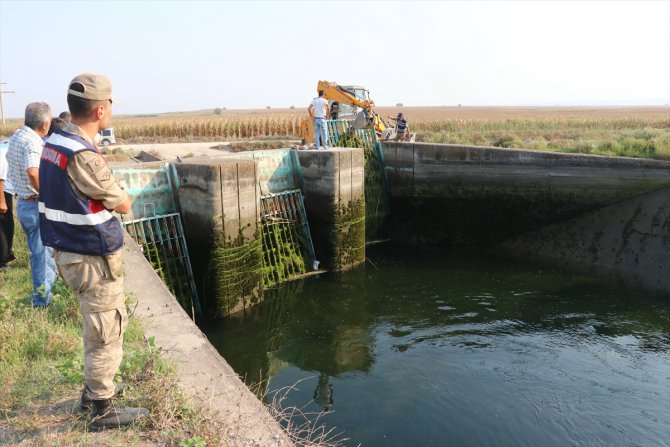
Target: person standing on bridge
{"type": "Point", "coordinates": [319, 111]}
{"type": "Point", "coordinates": [76, 220]}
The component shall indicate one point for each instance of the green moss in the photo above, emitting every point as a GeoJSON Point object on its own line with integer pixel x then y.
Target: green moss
{"type": "Point", "coordinates": [240, 269]}
{"type": "Point", "coordinates": [349, 234]}
{"type": "Point", "coordinates": [235, 273]}
{"type": "Point", "coordinates": [284, 251]}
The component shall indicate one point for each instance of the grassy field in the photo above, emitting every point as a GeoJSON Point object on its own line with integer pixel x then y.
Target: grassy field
{"type": "Point", "coordinates": [622, 131]}
{"type": "Point", "coordinates": [41, 376]}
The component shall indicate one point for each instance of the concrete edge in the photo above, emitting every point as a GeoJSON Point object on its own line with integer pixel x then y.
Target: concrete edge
{"type": "Point", "coordinates": [203, 375]}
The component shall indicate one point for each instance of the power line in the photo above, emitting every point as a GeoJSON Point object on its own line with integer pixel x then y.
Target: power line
{"type": "Point", "coordinates": [2, 111]}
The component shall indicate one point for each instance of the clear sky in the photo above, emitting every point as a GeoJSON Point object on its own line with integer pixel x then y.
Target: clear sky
{"type": "Point", "coordinates": [165, 56]}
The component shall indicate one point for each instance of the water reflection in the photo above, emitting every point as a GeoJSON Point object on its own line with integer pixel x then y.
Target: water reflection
{"type": "Point", "coordinates": [330, 336]}
{"type": "Point", "coordinates": [508, 353]}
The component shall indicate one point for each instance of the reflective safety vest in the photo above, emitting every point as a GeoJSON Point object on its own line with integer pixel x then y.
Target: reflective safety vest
{"type": "Point", "coordinates": [68, 222]}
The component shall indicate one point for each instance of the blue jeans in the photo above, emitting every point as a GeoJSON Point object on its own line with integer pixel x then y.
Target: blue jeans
{"type": "Point", "coordinates": [321, 133]}
{"type": "Point", "coordinates": [42, 265]}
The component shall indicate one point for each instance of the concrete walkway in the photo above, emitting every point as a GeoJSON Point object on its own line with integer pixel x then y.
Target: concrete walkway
{"type": "Point", "coordinates": [170, 151]}
{"type": "Point", "coordinates": [204, 376]}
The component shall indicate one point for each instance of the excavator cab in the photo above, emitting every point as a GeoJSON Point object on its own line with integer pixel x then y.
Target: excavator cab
{"type": "Point", "coordinates": [350, 111]}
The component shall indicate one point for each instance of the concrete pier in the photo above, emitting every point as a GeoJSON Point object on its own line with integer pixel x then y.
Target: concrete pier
{"type": "Point", "coordinates": [334, 190]}
{"type": "Point", "coordinates": [219, 201]}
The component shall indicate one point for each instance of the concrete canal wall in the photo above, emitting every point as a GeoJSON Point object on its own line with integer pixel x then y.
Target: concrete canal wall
{"type": "Point", "coordinates": [629, 240]}
{"type": "Point", "coordinates": [204, 376]}
{"type": "Point", "coordinates": [605, 215]}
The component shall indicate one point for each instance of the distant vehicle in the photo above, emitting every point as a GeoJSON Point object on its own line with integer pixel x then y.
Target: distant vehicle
{"type": "Point", "coordinates": [107, 136]}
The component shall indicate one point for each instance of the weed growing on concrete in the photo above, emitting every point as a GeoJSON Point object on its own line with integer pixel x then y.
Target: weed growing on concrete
{"type": "Point", "coordinates": [377, 207]}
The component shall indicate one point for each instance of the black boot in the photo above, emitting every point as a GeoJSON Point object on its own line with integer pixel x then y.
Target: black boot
{"type": "Point", "coordinates": [107, 415]}
{"type": "Point", "coordinates": [86, 404]}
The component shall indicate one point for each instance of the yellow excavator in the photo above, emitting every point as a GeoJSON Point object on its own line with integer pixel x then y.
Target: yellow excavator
{"type": "Point", "coordinates": [350, 102]}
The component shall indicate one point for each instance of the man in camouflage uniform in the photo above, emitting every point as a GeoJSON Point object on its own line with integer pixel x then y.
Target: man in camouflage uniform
{"type": "Point", "coordinates": [76, 220]}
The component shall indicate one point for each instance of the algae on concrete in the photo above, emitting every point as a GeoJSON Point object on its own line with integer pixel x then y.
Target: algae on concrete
{"type": "Point", "coordinates": [377, 209]}
{"type": "Point", "coordinates": [283, 251]}
{"type": "Point", "coordinates": [348, 234]}
{"type": "Point", "coordinates": [236, 270]}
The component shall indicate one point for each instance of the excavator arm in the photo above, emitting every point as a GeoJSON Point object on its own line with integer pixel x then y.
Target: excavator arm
{"type": "Point", "coordinates": [366, 118]}
{"type": "Point", "coordinates": [334, 92]}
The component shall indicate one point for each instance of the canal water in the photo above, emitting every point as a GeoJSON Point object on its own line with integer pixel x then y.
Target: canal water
{"type": "Point", "coordinates": [459, 349]}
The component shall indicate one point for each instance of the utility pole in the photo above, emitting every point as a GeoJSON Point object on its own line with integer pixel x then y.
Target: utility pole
{"type": "Point", "coordinates": [2, 111]}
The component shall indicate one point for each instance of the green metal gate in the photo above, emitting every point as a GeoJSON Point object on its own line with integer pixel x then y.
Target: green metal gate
{"type": "Point", "coordinates": [162, 241]}
{"type": "Point", "coordinates": [287, 241]}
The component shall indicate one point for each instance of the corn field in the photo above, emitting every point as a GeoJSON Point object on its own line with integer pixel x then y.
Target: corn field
{"type": "Point", "coordinates": [625, 131]}
{"type": "Point", "coordinates": [211, 127]}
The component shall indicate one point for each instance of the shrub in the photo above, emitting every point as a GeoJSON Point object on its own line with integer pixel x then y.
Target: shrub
{"type": "Point", "coordinates": [507, 140]}
{"type": "Point", "coordinates": [609, 147]}
{"type": "Point", "coordinates": [636, 147]}
{"type": "Point", "coordinates": [585, 147]}
{"type": "Point", "coordinates": [538, 143]}
{"type": "Point", "coordinates": [662, 146]}
{"type": "Point", "coordinates": [647, 133]}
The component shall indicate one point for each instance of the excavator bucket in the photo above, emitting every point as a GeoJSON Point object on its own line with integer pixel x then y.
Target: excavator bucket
{"type": "Point", "coordinates": [362, 120]}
